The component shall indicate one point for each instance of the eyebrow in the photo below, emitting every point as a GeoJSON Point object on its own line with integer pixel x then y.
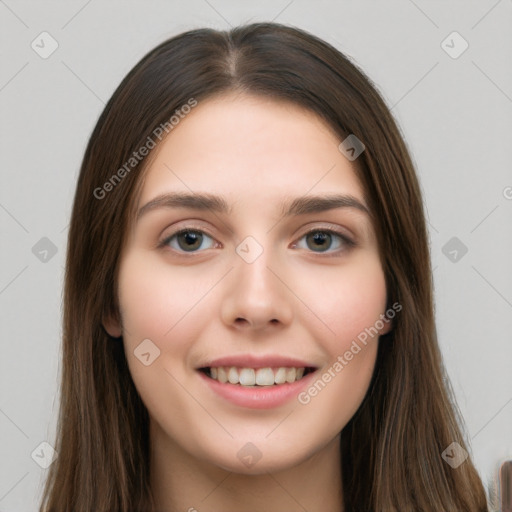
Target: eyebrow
{"type": "Point", "coordinates": [298, 206]}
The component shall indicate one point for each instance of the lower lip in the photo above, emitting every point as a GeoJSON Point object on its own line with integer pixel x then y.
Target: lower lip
{"type": "Point", "coordinates": [258, 397]}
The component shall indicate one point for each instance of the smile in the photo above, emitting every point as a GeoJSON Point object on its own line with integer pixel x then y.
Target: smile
{"type": "Point", "coordinates": [256, 388]}
{"type": "Point", "coordinates": [252, 377]}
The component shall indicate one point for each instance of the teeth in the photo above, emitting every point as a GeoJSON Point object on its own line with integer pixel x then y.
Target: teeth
{"type": "Point", "coordinates": [280, 376]}
{"type": "Point", "coordinates": [247, 377]}
{"type": "Point", "coordinates": [233, 375]}
{"type": "Point", "coordinates": [259, 377]}
{"type": "Point", "coordinates": [265, 377]}
{"type": "Point", "coordinates": [221, 375]}
{"type": "Point", "coordinates": [291, 373]}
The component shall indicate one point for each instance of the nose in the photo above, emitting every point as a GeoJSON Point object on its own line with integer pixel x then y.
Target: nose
{"type": "Point", "coordinates": [257, 296]}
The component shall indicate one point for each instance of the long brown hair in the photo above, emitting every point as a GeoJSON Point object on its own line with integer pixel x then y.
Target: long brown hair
{"type": "Point", "coordinates": [391, 448]}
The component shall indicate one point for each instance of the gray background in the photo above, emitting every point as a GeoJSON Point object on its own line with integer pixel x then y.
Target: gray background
{"type": "Point", "coordinates": [455, 114]}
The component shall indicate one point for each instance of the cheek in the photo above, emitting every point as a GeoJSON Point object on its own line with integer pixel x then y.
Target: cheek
{"type": "Point", "coordinates": [347, 300]}
{"type": "Point", "coordinates": [350, 306]}
{"type": "Point", "coordinates": [161, 304]}
{"type": "Point", "coordinates": [155, 299]}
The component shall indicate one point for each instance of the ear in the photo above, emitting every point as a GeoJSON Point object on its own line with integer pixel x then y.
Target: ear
{"type": "Point", "coordinates": [113, 326]}
{"type": "Point", "coordinates": [388, 325]}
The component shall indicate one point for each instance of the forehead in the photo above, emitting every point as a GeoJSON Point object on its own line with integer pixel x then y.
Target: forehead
{"type": "Point", "coordinates": [250, 149]}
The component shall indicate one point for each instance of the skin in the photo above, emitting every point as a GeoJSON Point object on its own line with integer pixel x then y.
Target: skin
{"type": "Point", "coordinates": [293, 300]}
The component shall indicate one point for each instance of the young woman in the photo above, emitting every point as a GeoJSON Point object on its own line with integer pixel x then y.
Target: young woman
{"type": "Point", "coordinates": [248, 310]}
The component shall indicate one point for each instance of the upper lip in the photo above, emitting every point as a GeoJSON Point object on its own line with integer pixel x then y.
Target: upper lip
{"type": "Point", "coordinates": [253, 361]}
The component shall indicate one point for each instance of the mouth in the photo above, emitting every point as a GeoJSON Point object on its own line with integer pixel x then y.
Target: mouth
{"type": "Point", "coordinates": [256, 377]}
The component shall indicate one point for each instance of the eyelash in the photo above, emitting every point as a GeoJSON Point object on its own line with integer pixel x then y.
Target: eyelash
{"type": "Point", "coordinates": [346, 241]}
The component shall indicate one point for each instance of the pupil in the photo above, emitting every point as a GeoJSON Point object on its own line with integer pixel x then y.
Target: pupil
{"type": "Point", "coordinates": [192, 239]}
{"type": "Point", "coordinates": [320, 237]}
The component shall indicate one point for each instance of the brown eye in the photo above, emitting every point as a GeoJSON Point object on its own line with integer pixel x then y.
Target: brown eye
{"type": "Point", "coordinates": [186, 240]}
{"type": "Point", "coordinates": [326, 240]}
{"type": "Point", "coordinates": [319, 239]}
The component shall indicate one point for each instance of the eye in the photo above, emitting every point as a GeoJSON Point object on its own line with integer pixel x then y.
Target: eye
{"type": "Point", "coordinates": [320, 240]}
{"type": "Point", "coordinates": [186, 240]}
{"type": "Point", "coordinates": [190, 240]}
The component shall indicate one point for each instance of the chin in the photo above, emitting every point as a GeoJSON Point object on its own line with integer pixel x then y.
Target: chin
{"type": "Point", "coordinates": [256, 457]}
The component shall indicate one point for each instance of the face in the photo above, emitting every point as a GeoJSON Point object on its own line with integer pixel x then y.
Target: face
{"type": "Point", "coordinates": [279, 301]}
